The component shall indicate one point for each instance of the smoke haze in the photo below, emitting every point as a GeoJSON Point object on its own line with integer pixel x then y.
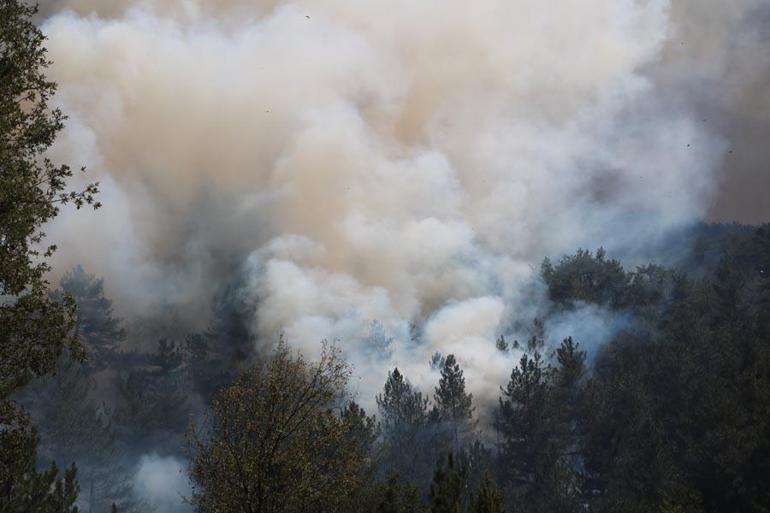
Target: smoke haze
{"type": "Point", "coordinates": [354, 168]}
{"type": "Point", "coordinates": [162, 484]}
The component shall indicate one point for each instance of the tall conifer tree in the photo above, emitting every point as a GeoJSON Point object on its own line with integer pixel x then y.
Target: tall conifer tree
{"type": "Point", "coordinates": [454, 404]}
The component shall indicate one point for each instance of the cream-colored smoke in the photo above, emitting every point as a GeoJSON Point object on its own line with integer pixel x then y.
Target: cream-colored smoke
{"type": "Point", "coordinates": [370, 164]}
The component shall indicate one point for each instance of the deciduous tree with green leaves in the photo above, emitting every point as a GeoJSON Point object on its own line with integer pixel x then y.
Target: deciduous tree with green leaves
{"type": "Point", "coordinates": [274, 442]}
{"type": "Point", "coordinates": [34, 328]}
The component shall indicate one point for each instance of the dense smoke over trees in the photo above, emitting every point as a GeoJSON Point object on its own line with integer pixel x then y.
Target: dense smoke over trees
{"type": "Point", "coordinates": [357, 161]}
{"type": "Point", "coordinates": [334, 325]}
{"type": "Point", "coordinates": [667, 416]}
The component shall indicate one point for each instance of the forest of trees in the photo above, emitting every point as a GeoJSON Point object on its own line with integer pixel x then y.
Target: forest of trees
{"type": "Point", "coordinates": [671, 415]}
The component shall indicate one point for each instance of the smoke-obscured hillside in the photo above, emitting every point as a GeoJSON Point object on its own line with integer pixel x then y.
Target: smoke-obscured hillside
{"type": "Point", "coordinates": [398, 256]}
{"type": "Point", "coordinates": [654, 374]}
{"type": "Point", "coordinates": [339, 163]}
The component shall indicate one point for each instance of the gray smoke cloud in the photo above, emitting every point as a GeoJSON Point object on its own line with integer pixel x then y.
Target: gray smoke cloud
{"type": "Point", "coordinates": [362, 166]}
{"type": "Point", "coordinates": [717, 60]}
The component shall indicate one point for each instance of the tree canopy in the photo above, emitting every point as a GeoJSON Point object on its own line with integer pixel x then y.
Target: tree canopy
{"type": "Point", "coordinates": [34, 328]}
{"type": "Point", "coordinates": [274, 442]}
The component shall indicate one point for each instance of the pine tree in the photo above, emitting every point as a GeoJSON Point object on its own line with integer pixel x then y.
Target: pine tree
{"type": "Point", "coordinates": [395, 496]}
{"type": "Point", "coordinates": [402, 408]}
{"type": "Point", "coordinates": [586, 277]}
{"type": "Point", "coordinates": [568, 390]}
{"type": "Point", "coordinates": [453, 404]}
{"type": "Point", "coordinates": [522, 420]}
{"type": "Point", "coordinates": [478, 461]}
{"type": "Point", "coordinates": [72, 425]}
{"type": "Point", "coordinates": [761, 255]}
{"type": "Point", "coordinates": [448, 492]}
{"type": "Point", "coordinates": [153, 407]}
{"type": "Point", "coordinates": [403, 424]}
{"type": "Point", "coordinates": [727, 285]}
{"type": "Point", "coordinates": [489, 498]}
{"type": "Point", "coordinates": [224, 351]}
{"type": "Point", "coordinates": [361, 428]}
{"type": "Point", "coordinates": [535, 457]}
{"type": "Point", "coordinates": [95, 326]}
{"type": "Point", "coordinates": [76, 430]}
{"type": "Point", "coordinates": [571, 364]}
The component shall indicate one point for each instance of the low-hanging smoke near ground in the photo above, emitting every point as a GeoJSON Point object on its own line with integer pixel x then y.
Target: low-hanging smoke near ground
{"type": "Point", "coordinates": [162, 484]}
{"type": "Point", "coordinates": [359, 167]}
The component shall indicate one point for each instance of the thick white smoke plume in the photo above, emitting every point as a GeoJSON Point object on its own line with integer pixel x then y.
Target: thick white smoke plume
{"type": "Point", "coordinates": [367, 165]}
{"type": "Point", "coordinates": [162, 485]}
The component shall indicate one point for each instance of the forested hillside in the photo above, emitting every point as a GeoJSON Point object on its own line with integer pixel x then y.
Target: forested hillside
{"type": "Point", "coordinates": [670, 415]}
{"type": "Point", "coordinates": [638, 387]}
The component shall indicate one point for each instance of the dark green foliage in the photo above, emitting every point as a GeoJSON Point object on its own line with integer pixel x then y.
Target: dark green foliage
{"type": "Point", "coordinates": [453, 404]}
{"type": "Point", "coordinates": [72, 424]}
{"type": "Point", "coordinates": [568, 390]}
{"type": "Point", "coordinates": [168, 356]}
{"type": "Point", "coordinates": [362, 429]}
{"type": "Point", "coordinates": [35, 329]}
{"type": "Point", "coordinates": [758, 254]}
{"type": "Point", "coordinates": [274, 444]}
{"type": "Point", "coordinates": [672, 421]}
{"type": "Point", "coordinates": [22, 487]}
{"type": "Point", "coordinates": [223, 352]}
{"type": "Point", "coordinates": [586, 277]}
{"type": "Point", "coordinates": [449, 489]}
{"type": "Point", "coordinates": [95, 326]}
{"type": "Point", "coordinates": [521, 419]}
{"type": "Point", "coordinates": [537, 421]}
{"type": "Point", "coordinates": [153, 406]}
{"type": "Point", "coordinates": [390, 496]}
{"type": "Point", "coordinates": [34, 334]}
{"type": "Point", "coordinates": [404, 428]}
{"type": "Point", "coordinates": [571, 365]}
{"type": "Point", "coordinates": [701, 246]}
{"type": "Point", "coordinates": [536, 341]}
{"type": "Point", "coordinates": [489, 498]}
{"type": "Point", "coordinates": [75, 429]}
{"type": "Point", "coordinates": [478, 462]}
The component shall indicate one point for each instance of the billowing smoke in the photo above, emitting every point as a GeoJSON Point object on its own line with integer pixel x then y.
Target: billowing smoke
{"type": "Point", "coordinates": [362, 168]}
{"type": "Point", "coordinates": [161, 483]}
{"type": "Point", "coordinates": [717, 61]}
